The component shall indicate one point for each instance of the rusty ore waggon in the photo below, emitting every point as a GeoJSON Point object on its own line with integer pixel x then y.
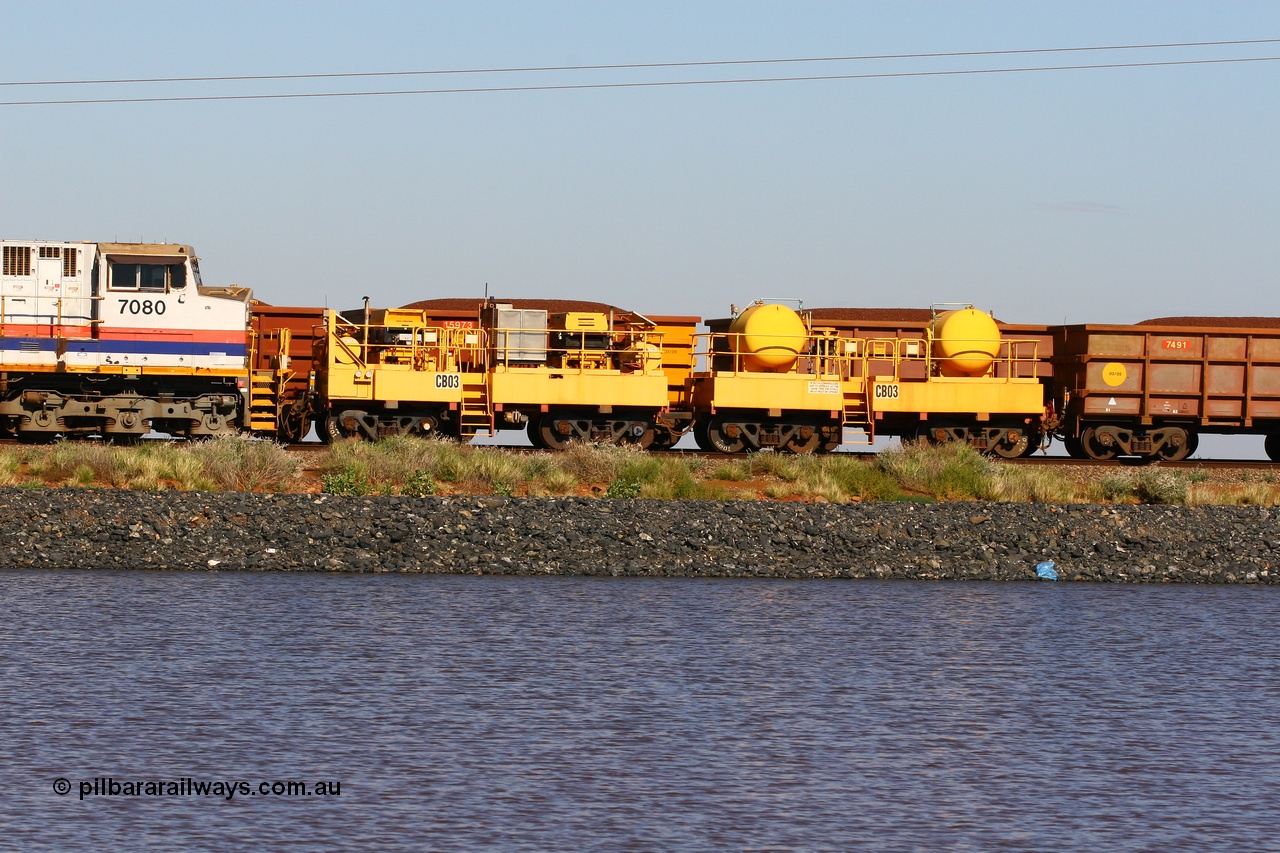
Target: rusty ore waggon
{"type": "Point", "coordinates": [1154, 388]}
{"type": "Point", "coordinates": [118, 339]}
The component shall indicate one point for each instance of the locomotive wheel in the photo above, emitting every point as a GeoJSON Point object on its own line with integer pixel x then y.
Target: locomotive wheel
{"type": "Point", "coordinates": [1094, 449]}
{"type": "Point", "coordinates": [720, 441]}
{"type": "Point", "coordinates": [1007, 449]}
{"type": "Point", "coordinates": [1272, 446]}
{"type": "Point", "coordinates": [1177, 454]}
{"type": "Point", "coordinates": [551, 438]}
{"type": "Point", "coordinates": [799, 445]}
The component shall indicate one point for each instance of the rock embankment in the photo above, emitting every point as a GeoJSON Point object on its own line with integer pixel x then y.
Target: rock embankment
{"type": "Point", "coordinates": [104, 529]}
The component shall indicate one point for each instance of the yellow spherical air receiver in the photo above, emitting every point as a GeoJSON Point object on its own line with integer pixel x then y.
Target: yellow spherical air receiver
{"type": "Point", "coordinates": [768, 337]}
{"type": "Point", "coordinates": [965, 342]}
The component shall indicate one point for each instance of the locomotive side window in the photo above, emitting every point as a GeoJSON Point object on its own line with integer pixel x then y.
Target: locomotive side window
{"type": "Point", "coordinates": [152, 278]}
{"type": "Point", "coordinates": [124, 276]}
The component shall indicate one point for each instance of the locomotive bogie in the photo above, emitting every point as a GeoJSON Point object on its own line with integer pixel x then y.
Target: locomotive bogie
{"type": "Point", "coordinates": [39, 414]}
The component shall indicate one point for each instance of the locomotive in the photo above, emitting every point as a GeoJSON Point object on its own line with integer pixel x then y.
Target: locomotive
{"type": "Point", "coordinates": [119, 339]}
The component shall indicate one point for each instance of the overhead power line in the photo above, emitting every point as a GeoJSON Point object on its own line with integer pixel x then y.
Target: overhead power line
{"type": "Point", "coordinates": [643, 65]}
{"type": "Point", "coordinates": [638, 84]}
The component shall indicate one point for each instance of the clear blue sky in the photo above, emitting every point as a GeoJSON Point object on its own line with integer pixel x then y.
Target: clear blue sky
{"type": "Point", "coordinates": [1090, 196]}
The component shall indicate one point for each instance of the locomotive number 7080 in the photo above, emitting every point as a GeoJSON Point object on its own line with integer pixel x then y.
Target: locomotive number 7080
{"type": "Point", "coordinates": [141, 306]}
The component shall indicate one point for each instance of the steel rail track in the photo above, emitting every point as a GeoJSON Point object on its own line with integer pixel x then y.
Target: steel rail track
{"type": "Point", "coordinates": [1065, 461]}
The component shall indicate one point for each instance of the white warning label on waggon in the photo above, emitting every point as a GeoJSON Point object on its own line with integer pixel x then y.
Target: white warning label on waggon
{"type": "Point", "coordinates": [824, 387]}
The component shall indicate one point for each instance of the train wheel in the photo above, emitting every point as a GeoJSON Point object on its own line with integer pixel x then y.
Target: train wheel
{"type": "Point", "coordinates": [1033, 443]}
{"type": "Point", "coordinates": [328, 430]}
{"type": "Point", "coordinates": [643, 441]}
{"type": "Point", "coordinates": [663, 439]}
{"type": "Point", "coordinates": [702, 437]}
{"type": "Point", "coordinates": [1185, 448]}
{"type": "Point", "coordinates": [798, 444]}
{"type": "Point", "coordinates": [1094, 449]}
{"type": "Point", "coordinates": [1011, 448]}
{"type": "Point", "coordinates": [1272, 446]}
{"type": "Point", "coordinates": [293, 427]}
{"type": "Point", "coordinates": [535, 435]}
{"type": "Point", "coordinates": [721, 441]}
{"type": "Point", "coordinates": [1073, 447]}
{"type": "Point", "coordinates": [551, 437]}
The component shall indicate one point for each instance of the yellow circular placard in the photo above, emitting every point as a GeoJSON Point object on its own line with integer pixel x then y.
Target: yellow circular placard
{"type": "Point", "coordinates": [1113, 373]}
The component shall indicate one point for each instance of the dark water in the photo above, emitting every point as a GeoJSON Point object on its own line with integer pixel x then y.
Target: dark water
{"type": "Point", "coordinates": [471, 713]}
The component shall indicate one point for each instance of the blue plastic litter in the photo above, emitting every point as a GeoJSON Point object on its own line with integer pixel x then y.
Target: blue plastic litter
{"type": "Point", "coordinates": [1045, 571]}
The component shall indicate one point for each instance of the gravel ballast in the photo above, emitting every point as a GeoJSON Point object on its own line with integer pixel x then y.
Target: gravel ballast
{"type": "Point", "coordinates": [108, 529]}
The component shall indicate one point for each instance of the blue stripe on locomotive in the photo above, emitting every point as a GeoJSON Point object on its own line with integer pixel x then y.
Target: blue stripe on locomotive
{"type": "Point", "coordinates": [29, 344]}
{"type": "Point", "coordinates": [185, 348]}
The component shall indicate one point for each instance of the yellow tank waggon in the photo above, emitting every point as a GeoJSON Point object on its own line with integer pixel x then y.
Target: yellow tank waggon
{"type": "Point", "coordinates": [773, 378]}
{"type": "Point", "coordinates": [978, 387]}
{"type": "Point", "coordinates": [770, 380]}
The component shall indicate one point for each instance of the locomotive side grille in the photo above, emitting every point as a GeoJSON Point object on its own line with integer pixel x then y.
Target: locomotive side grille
{"type": "Point", "coordinates": [70, 263]}
{"type": "Point", "coordinates": [50, 251]}
{"type": "Point", "coordinates": [17, 260]}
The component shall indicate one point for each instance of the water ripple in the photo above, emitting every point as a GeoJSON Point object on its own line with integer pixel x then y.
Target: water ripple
{"type": "Point", "coordinates": [602, 714]}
